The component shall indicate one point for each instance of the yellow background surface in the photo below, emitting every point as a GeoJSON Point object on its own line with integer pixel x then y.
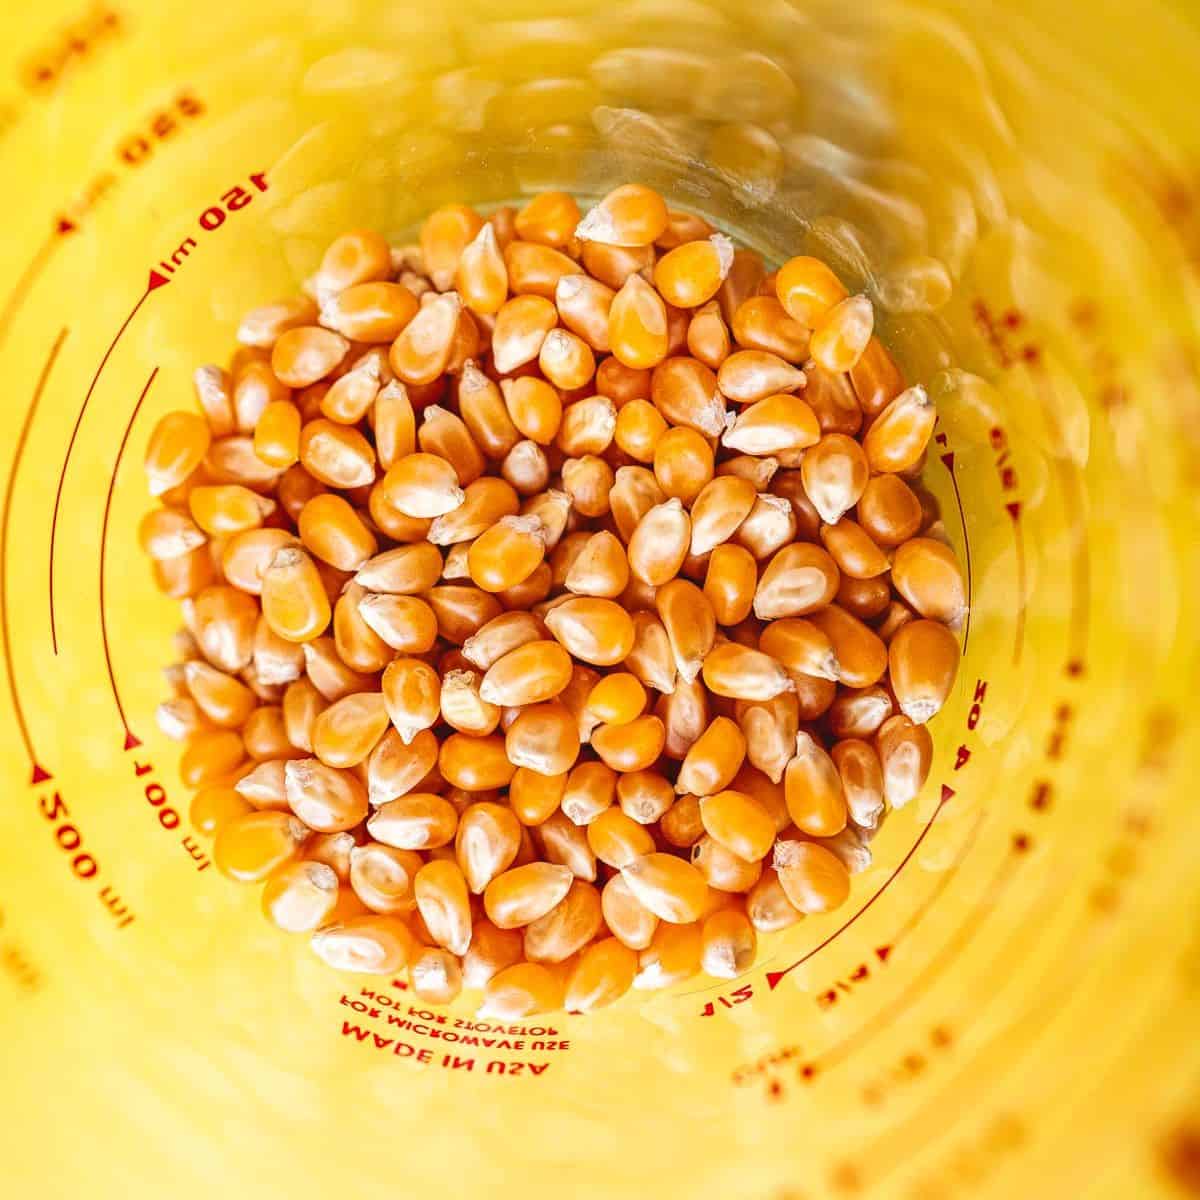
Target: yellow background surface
{"type": "Point", "coordinates": [1008, 1004]}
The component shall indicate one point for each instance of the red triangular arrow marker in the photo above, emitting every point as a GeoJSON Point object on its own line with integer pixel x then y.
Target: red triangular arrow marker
{"type": "Point", "coordinates": [773, 978]}
{"type": "Point", "coordinates": [947, 792]}
{"type": "Point", "coordinates": [65, 225]}
{"type": "Point", "coordinates": [882, 952]}
{"type": "Point", "coordinates": [157, 279]}
{"type": "Point", "coordinates": [40, 774]}
{"type": "Point", "coordinates": [1014, 509]}
{"type": "Point", "coordinates": [948, 459]}
{"type": "Point", "coordinates": [132, 742]}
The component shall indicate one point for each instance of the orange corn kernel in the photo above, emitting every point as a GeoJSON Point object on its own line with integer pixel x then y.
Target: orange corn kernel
{"type": "Point", "coordinates": [889, 511]}
{"type": "Point", "coordinates": [529, 673]}
{"type": "Point", "coordinates": [324, 798]}
{"type": "Point", "coordinates": [693, 272]}
{"type": "Point", "coordinates": [209, 756]}
{"type": "Point", "coordinates": [331, 529]}
{"type": "Point", "coordinates": [435, 975]}
{"type": "Point", "coordinates": [634, 493]}
{"type": "Point", "coordinates": [481, 277]}
{"type": "Point", "coordinates": [262, 326]}
{"type": "Point", "coordinates": [461, 611]}
{"type": "Point", "coordinates": [501, 635]}
{"type": "Point", "coordinates": [800, 579]}
{"type": "Point", "coordinates": [491, 951]}
{"type": "Point", "coordinates": [590, 790]}
{"type": "Point", "coordinates": [593, 630]}
{"type": "Point", "coordinates": [534, 408]}
{"type": "Point", "coordinates": [445, 234]}
{"type": "Point", "coordinates": [681, 824]}
{"type": "Point", "coordinates": [329, 674]}
{"type": "Point", "coordinates": [717, 511]}
{"type": "Point", "coordinates": [769, 727]}
{"type": "Point", "coordinates": [800, 646]}
{"type": "Point", "coordinates": [248, 848]}
{"type": "Point", "coordinates": [876, 378]}
{"type": "Point", "coordinates": [543, 738]}
{"type": "Point", "coordinates": [598, 568]}
{"type": "Point", "coordinates": [300, 896]}
{"type": "Point", "coordinates": [773, 425]}
{"type": "Point", "coordinates": [520, 991]}
{"type": "Point", "coordinates": [770, 526]}
{"type": "Point", "coordinates": [905, 752]}
{"type": "Point", "coordinates": [926, 573]}
{"type": "Point", "coordinates": [660, 543]}
{"type": "Point", "coordinates": [922, 663]}
{"type": "Point", "coordinates": [537, 270]}
{"type": "Point", "coordinates": [672, 956]}
{"type": "Point", "coordinates": [639, 426]}
{"type": "Point", "coordinates": [685, 391]}
{"type": "Point", "coordinates": [708, 336]}
{"type": "Point", "coordinates": [348, 730]}
{"type": "Point", "coordinates": [620, 383]}
{"type": "Point", "coordinates": [382, 876]}
{"type": "Point", "coordinates": [604, 973]}
{"type": "Point", "coordinates": [685, 716]}
{"type": "Point", "coordinates": [533, 797]}
{"type": "Point", "coordinates": [637, 325]}
{"type": "Point", "coordinates": [739, 823]}
{"type": "Point", "coordinates": [567, 927]}
{"type": "Point", "coordinates": [861, 774]}
{"type": "Point", "coordinates": [808, 290]}
{"type": "Point", "coordinates": [302, 704]}
{"type": "Point", "coordinates": [742, 673]}
{"type": "Point", "coordinates": [584, 305]}
{"type": "Point", "coordinates": [423, 350]}
{"type": "Point", "coordinates": [521, 895]}
{"type": "Point", "coordinates": [213, 807]}
{"type": "Point", "coordinates": [616, 839]}
{"type": "Point", "coordinates": [841, 335]}
{"type": "Point", "coordinates": [484, 502]}
{"type": "Point", "coordinates": [617, 699]}
{"type": "Point", "coordinates": [406, 623]}
{"type": "Point", "coordinates": [651, 658]}
{"type": "Point", "coordinates": [812, 878]}
{"type": "Point", "coordinates": [372, 944]}
{"type": "Point", "coordinates": [521, 327]}
{"type": "Point", "coordinates": [683, 463]}
{"type": "Point", "coordinates": [445, 435]}
{"type": "Point", "coordinates": [440, 890]}
{"type": "Point", "coordinates": [861, 656]}
{"type": "Point", "coordinates": [277, 434]}
{"type": "Point", "coordinates": [483, 410]}
{"type": "Point", "coordinates": [463, 708]}
{"type": "Point", "coordinates": [852, 549]}
{"type": "Point", "coordinates": [411, 694]}
{"type": "Point", "coordinates": [813, 789]}
{"type": "Point", "coordinates": [212, 387]}
{"type": "Point", "coordinates": [487, 841]}
{"type": "Point", "coordinates": [835, 474]}
{"type": "Point", "coordinates": [336, 454]}
{"type": "Point", "coordinates": [358, 256]}
{"type": "Point", "coordinates": [228, 508]}
{"type": "Point", "coordinates": [223, 699]}
{"type": "Point", "coordinates": [587, 426]}
{"type": "Point", "coordinates": [859, 712]}
{"type": "Point", "coordinates": [613, 265]}
{"type": "Point", "coordinates": [729, 944]}
{"type": "Point", "coordinates": [256, 385]}
{"type": "Point", "coordinates": [566, 359]}
{"type": "Point", "coordinates": [549, 219]}
{"type": "Point", "coordinates": [768, 907]}
{"type": "Point", "coordinates": [370, 312]}
{"type": "Point", "coordinates": [414, 821]}
{"type": "Point", "coordinates": [630, 215]}
{"type": "Point", "coordinates": [423, 485]}
{"type": "Point", "coordinates": [475, 764]}
{"type": "Point", "coordinates": [507, 554]}
{"type": "Point", "coordinates": [673, 890]}
{"type": "Point", "coordinates": [625, 916]}
{"type": "Point", "coordinates": [900, 433]}
{"type": "Point", "coordinates": [630, 747]}
{"type": "Point", "coordinates": [395, 768]}
{"type": "Point", "coordinates": [713, 759]}
{"type": "Point", "coordinates": [395, 424]}
{"type": "Point", "coordinates": [690, 624]}
{"type": "Point", "coordinates": [724, 872]}
{"type": "Point", "coordinates": [762, 323]}
{"type": "Point", "coordinates": [730, 581]}
{"type": "Point", "coordinates": [306, 354]}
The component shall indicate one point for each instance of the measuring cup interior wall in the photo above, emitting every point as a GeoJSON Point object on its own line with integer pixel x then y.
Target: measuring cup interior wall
{"type": "Point", "coordinates": [1002, 1007]}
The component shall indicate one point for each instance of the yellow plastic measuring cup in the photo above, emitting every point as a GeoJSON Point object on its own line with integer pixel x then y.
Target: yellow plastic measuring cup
{"type": "Point", "coordinates": [1007, 1005]}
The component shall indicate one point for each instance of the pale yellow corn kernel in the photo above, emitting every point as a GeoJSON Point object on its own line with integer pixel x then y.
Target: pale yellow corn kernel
{"type": "Point", "coordinates": [396, 767]}
{"type": "Point", "coordinates": [444, 904]}
{"type": "Point", "coordinates": [742, 673]}
{"type": "Point", "coordinates": [800, 579]}
{"type": "Point", "coordinates": [522, 990]}
{"type": "Point", "coordinates": [372, 945]}
{"type": "Point", "coordinates": [414, 821]}
{"type": "Point", "coordinates": [382, 877]}
{"type": "Point", "coordinates": [812, 878]}
{"type": "Point", "coordinates": [768, 906]}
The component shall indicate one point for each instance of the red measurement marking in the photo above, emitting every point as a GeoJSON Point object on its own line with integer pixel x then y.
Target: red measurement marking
{"type": "Point", "coordinates": [1014, 511]}
{"type": "Point", "coordinates": [211, 219]}
{"type": "Point", "coordinates": [738, 996]}
{"type": "Point", "coordinates": [37, 264]}
{"type": "Point", "coordinates": [155, 282]}
{"type": "Point", "coordinates": [774, 977]}
{"type": "Point", "coordinates": [131, 740]}
{"type": "Point", "coordinates": [39, 773]}
{"type": "Point", "coordinates": [948, 462]}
